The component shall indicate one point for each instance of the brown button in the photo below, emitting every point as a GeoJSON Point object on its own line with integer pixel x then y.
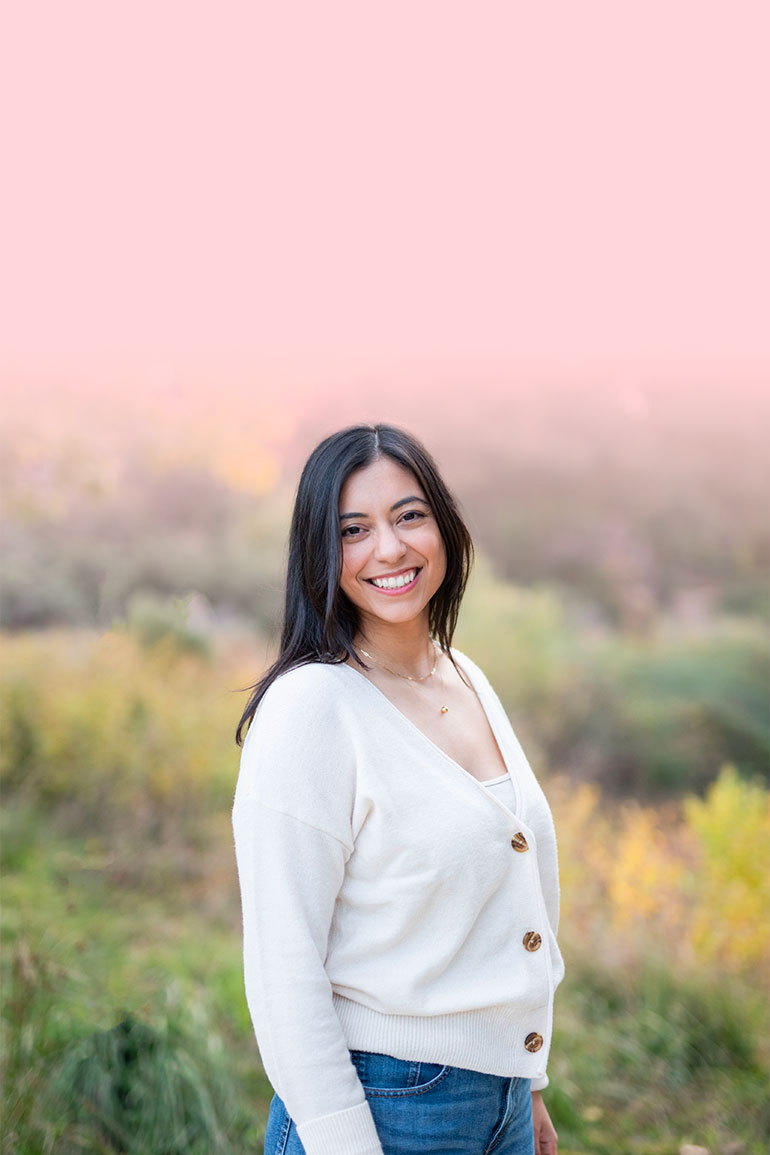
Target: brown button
{"type": "Point", "coordinates": [519, 843]}
{"type": "Point", "coordinates": [532, 940]}
{"type": "Point", "coordinates": [533, 1042]}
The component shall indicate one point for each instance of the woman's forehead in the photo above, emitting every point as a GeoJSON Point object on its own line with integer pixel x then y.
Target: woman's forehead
{"type": "Point", "coordinates": [380, 483]}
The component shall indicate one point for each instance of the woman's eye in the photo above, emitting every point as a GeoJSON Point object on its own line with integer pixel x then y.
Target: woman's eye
{"type": "Point", "coordinates": [352, 531]}
{"type": "Point", "coordinates": [413, 514]}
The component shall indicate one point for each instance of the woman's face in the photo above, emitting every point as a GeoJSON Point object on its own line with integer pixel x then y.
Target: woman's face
{"type": "Point", "coordinates": [393, 556]}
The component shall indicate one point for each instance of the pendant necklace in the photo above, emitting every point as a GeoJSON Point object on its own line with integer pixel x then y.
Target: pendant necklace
{"type": "Point", "coordinates": [408, 677]}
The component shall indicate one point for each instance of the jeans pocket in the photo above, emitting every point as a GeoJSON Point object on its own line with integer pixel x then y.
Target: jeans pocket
{"type": "Point", "coordinates": [385, 1076]}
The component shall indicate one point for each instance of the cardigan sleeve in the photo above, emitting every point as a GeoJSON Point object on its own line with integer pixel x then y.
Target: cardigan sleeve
{"type": "Point", "coordinates": [291, 857]}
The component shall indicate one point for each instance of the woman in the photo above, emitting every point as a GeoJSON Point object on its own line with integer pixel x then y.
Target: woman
{"type": "Point", "coordinates": [396, 856]}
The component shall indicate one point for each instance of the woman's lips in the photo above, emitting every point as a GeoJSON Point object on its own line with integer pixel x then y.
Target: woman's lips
{"type": "Point", "coordinates": [393, 588]}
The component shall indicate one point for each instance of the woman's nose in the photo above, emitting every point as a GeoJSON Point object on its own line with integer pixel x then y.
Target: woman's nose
{"type": "Point", "coordinates": [389, 545]}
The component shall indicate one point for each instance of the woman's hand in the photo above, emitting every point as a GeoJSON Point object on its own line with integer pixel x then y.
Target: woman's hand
{"type": "Point", "coordinates": [546, 1139]}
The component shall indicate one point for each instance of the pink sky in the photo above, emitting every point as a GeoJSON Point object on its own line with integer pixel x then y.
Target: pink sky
{"type": "Point", "coordinates": [302, 192]}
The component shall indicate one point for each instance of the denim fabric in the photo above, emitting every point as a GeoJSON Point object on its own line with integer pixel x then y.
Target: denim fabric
{"type": "Point", "coordinates": [427, 1109]}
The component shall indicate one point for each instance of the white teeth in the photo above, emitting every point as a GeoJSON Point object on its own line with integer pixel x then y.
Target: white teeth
{"type": "Point", "coordinates": [395, 583]}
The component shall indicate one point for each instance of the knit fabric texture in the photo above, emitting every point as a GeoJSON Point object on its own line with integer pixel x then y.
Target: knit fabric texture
{"type": "Point", "coordinates": [385, 902]}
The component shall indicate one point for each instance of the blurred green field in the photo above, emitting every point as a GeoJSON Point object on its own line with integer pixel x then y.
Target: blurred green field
{"type": "Point", "coordinates": [124, 1022]}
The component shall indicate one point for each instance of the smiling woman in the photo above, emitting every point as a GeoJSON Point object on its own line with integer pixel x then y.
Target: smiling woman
{"type": "Point", "coordinates": [393, 557]}
{"type": "Point", "coordinates": [396, 855]}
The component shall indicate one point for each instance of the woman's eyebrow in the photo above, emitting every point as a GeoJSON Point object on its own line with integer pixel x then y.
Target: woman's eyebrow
{"type": "Point", "coordinates": [403, 501]}
{"type": "Point", "coordinates": [407, 501]}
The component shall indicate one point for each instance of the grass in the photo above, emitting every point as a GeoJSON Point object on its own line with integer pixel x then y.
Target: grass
{"type": "Point", "coordinates": [93, 965]}
{"type": "Point", "coordinates": [124, 1023]}
{"type": "Point", "coordinates": [644, 1057]}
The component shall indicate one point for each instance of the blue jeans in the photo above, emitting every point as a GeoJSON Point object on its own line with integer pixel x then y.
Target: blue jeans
{"type": "Point", "coordinates": [427, 1109]}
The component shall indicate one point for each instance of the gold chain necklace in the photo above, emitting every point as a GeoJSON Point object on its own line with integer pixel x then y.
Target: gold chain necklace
{"type": "Point", "coordinates": [408, 677]}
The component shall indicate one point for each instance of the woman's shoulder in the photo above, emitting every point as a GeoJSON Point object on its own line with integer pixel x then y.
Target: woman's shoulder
{"type": "Point", "coordinates": [310, 689]}
{"type": "Point", "coordinates": [316, 677]}
{"type": "Point", "coordinates": [297, 756]}
{"type": "Point", "coordinates": [306, 675]}
{"type": "Point", "coordinates": [303, 719]}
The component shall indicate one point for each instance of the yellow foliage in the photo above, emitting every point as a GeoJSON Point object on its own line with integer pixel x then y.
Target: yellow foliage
{"type": "Point", "coordinates": [731, 915]}
{"type": "Point", "coordinates": [109, 727]}
{"type": "Point", "coordinates": [643, 874]}
{"type": "Point", "coordinates": [693, 886]}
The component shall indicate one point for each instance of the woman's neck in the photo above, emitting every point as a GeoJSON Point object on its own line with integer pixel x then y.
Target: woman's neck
{"type": "Point", "coordinates": [405, 647]}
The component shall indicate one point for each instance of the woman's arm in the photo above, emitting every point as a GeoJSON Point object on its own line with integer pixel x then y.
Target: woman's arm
{"type": "Point", "coordinates": [546, 1139]}
{"type": "Point", "coordinates": [290, 874]}
{"type": "Point", "coordinates": [293, 837]}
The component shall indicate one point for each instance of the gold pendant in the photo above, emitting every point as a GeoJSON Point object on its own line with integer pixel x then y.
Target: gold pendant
{"type": "Point", "coordinates": [444, 709]}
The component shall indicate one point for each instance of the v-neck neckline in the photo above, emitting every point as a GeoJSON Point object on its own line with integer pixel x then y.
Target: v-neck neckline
{"type": "Point", "coordinates": [479, 692]}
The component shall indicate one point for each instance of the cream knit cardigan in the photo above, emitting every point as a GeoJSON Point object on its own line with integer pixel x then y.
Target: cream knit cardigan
{"type": "Point", "coordinates": [384, 904]}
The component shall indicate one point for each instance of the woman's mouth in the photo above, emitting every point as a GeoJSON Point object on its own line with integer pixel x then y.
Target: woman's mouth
{"type": "Point", "coordinates": [396, 583]}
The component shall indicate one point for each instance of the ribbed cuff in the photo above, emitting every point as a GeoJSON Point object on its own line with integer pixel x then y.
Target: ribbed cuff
{"type": "Point", "coordinates": [540, 1083]}
{"type": "Point", "coordinates": [349, 1132]}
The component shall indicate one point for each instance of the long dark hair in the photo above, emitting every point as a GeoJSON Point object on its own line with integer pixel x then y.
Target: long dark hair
{"type": "Point", "coordinates": [320, 621]}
